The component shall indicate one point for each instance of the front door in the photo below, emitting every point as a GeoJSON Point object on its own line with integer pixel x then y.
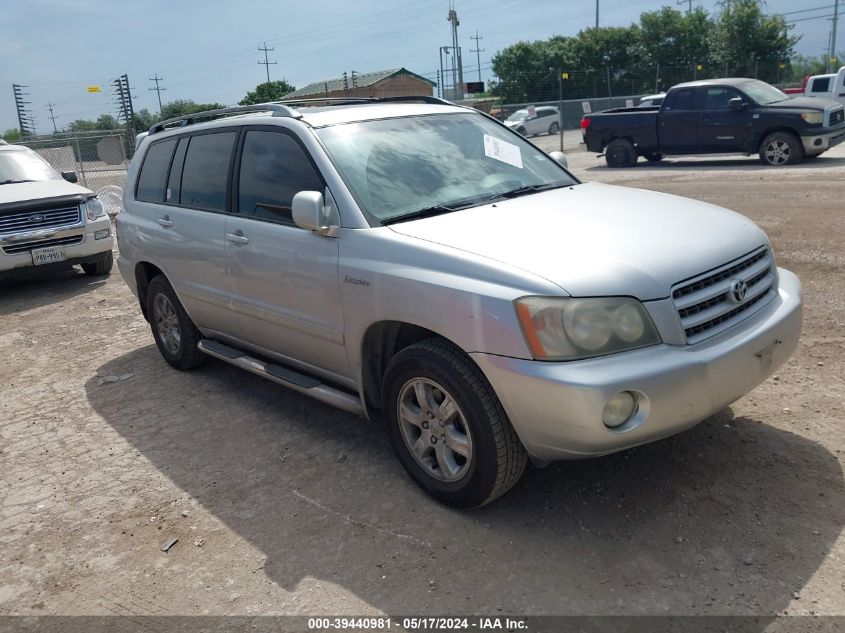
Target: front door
{"type": "Point", "coordinates": [723, 129]}
{"type": "Point", "coordinates": [284, 279]}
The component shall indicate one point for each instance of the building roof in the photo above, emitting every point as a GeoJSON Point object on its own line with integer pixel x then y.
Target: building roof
{"type": "Point", "coordinates": [362, 80]}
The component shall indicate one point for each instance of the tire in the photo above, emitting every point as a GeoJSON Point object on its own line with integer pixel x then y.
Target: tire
{"type": "Point", "coordinates": [178, 348]}
{"type": "Point", "coordinates": [654, 157]}
{"type": "Point", "coordinates": [781, 148]}
{"type": "Point", "coordinates": [620, 152]}
{"type": "Point", "coordinates": [522, 130]}
{"type": "Point", "coordinates": [102, 266]}
{"type": "Point", "coordinates": [554, 128]}
{"type": "Point", "coordinates": [495, 458]}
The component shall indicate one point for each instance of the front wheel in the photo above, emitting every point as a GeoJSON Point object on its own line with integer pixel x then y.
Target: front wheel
{"type": "Point", "coordinates": [100, 267]}
{"type": "Point", "coordinates": [781, 148]}
{"type": "Point", "coordinates": [554, 128]}
{"type": "Point", "coordinates": [448, 427]}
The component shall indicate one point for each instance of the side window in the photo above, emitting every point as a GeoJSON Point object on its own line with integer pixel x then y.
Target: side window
{"type": "Point", "coordinates": [717, 97]}
{"type": "Point", "coordinates": [206, 171]}
{"type": "Point", "coordinates": [682, 99]}
{"type": "Point", "coordinates": [274, 168]}
{"type": "Point", "coordinates": [153, 176]}
{"type": "Point", "coordinates": [174, 181]}
{"type": "Point", "coordinates": [822, 84]}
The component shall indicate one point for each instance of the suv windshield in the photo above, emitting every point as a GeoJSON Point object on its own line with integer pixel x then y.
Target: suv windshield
{"type": "Point", "coordinates": [519, 115]}
{"type": "Point", "coordinates": [23, 165]}
{"type": "Point", "coordinates": [763, 93]}
{"type": "Point", "coordinates": [404, 166]}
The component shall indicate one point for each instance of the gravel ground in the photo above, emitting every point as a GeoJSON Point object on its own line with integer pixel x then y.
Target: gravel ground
{"type": "Point", "coordinates": [283, 505]}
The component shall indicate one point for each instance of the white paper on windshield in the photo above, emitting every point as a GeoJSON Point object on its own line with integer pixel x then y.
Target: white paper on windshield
{"type": "Point", "coordinates": [502, 150]}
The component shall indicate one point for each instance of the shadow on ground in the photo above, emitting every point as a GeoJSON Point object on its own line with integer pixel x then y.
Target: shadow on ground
{"type": "Point", "coordinates": [731, 517]}
{"type": "Point", "coordinates": [35, 290]}
{"type": "Point", "coordinates": [750, 163]}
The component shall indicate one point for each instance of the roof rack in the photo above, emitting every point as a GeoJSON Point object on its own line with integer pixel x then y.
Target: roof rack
{"type": "Point", "coordinates": [353, 100]}
{"type": "Point", "coordinates": [276, 108]}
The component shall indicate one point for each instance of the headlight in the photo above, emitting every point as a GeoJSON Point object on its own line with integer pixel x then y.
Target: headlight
{"type": "Point", "coordinates": [94, 209]}
{"type": "Point", "coordinates": [813, 118]}
{"type": "Point", "coordinates": [566, 328]}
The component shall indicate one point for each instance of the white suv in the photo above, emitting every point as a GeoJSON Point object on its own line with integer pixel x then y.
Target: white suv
{"type": "Point", "coordinates": [422, 263]}
{"type": "Point", "coordinates": [46, 220]}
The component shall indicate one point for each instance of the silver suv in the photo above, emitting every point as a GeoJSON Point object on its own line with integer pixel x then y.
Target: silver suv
{"type": "Point", "coordinates": [416, 261]}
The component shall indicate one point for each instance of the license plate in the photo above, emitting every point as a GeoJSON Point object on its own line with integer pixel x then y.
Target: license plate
{"type": "Point", "coordinates": [48, 255]}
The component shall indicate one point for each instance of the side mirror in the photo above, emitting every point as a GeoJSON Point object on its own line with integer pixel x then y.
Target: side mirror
{"type": "Point", "coordinates": [309, 211]}
{"type": "Point", "coordinates": [736, 103]}
{"type": "Point", "coordinates": [560, 159]}
{"type": "Point", "coordinates": [70, 176]}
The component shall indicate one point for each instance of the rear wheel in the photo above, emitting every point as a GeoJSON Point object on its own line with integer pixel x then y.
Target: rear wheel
{"type": "Point", "coordinates": [781, 148]}
{"type": "Point", "coordinates": [448, 427]}
{"type": "Point", "coordinates": [554, 128]}
{"type": "Point", "coordinates": [175, 334]}
{"type": "Point", "coordinates": [102, 266]}
{"type": "Point", "coordinates": [620, 153]}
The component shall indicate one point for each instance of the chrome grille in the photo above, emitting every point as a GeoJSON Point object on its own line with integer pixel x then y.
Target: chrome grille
{"type": "Point", "coordinates": [24, 247]}
{"type": "Point", "coordinates": [837, 116]}
{"type": "Point", "coordinates": [20, 221]}
{"type": "Point", "coordinates": [704, 304]}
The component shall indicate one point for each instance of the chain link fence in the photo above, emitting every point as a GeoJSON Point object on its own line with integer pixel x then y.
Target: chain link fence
{"type": "Point", "coordinates": [100, 160]}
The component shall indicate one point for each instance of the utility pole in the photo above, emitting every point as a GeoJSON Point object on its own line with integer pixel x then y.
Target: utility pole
{"type": "Point", "coordinates": [26, 121]}
{"type": "Point", "coordinates": [52, 117]}
{"type": "Point", "coordinates": [458, 67]}
{"type": "Point", "coordinates": [158, 89]}
{"type": "Point", "coordinates": [125, 110]}
{"type": "Point", "coordinates": [832, 55]}
{"type": "Point", "coordinates": [685, 2]}
{"type": "Point", "coordinates": [597, 13]}
{"type": "Point", "coordinates": [266, 61]}
{"type": "Point", "coordinates": [477, 51]}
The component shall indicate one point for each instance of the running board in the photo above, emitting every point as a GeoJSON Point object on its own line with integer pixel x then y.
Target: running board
{"type": "Point", "coordinates": [284, 376]}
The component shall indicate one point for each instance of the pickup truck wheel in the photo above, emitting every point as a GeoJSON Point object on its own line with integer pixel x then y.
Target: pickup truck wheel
{"type": "Point", "coordinates": [781, 148]}
{"type": "Point", "coordinates": [102, 266]}
{"type": "Point", "coordinates": [620, 153]}
{"type": "Point", "coordinates": [554, 128]}
{"type": "Point", "coordinates": [448, 427]}
{"type": "Point", "coordinates": [175, 334]}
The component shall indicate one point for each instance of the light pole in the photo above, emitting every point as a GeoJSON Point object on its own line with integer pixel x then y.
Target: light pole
{"type": "Point", "coordinates": [606, 58]}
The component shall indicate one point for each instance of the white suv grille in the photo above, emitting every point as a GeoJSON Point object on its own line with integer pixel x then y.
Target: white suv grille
{"type": "Point", "coordinates": [22, 221]}
{"type": "Point", "coordinates": [706, 304]}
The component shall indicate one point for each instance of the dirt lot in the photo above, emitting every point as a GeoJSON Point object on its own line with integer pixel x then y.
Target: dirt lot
{"type": "Point", "coordinates": [285, 506]}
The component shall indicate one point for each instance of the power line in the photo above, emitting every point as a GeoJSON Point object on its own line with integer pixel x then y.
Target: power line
{"type": "Point", "coordinates": [158, 88]}
{"type": "Point", "coordinates": [477, 51]}
{"type": "Point", "coordinates": [266, 62]}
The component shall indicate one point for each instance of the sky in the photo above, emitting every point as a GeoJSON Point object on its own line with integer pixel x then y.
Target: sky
{"type": "Point", "coordinates": [207, 50]}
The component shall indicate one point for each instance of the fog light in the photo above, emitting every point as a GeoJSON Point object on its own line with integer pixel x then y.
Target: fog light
{"type": "Point", "coordinates": [619, 409]}
{"type": "Point", "coordinates": [102, 233]}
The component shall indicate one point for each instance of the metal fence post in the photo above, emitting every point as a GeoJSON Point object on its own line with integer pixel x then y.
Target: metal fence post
{"type": "Point", "coordinates": [80, 162]}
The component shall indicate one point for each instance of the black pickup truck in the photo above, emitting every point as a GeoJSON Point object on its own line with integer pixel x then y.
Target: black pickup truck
{"type": "Point", "coordinates": [718, 116]}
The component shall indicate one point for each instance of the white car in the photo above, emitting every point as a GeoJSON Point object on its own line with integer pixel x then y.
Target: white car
{"type": "Point", "coordinates": [47, 220]}
{"type": "Point", "coordinates": [830, 86]}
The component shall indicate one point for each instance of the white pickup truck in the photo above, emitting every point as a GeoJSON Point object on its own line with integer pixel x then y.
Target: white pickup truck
{"type": "Point", "coordinates": [827, 86]}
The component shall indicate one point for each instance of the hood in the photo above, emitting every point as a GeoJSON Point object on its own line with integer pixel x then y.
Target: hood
{"type": "Point", "coordinates": [803, 103]}
{"type": "Point", "coordinates": [598, 240]}
{"type": "Point", "coordinates": [41, 193]}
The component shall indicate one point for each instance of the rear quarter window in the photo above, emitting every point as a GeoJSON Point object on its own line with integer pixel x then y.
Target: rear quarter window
{"type": "Point", "coordinates": [822, 84]}
{"type": "Point", "coordinates": [152, 181]}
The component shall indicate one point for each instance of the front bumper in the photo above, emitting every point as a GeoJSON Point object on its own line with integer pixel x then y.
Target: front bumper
{"type": "Point", "coordinates": [819, 143]}
{"type": "Point", "coordinates": [556, 408]}
{"type": "Point", "coordinates": [86, 250]}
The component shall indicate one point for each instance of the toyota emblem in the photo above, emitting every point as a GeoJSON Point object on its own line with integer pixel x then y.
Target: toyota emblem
{"type": "Point", "coordinates": [737, 291]}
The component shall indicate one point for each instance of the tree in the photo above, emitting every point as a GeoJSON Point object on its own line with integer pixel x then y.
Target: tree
{"type": "Point", "coordinates": [143, 120]}
{"type": "Point", "coordinates": [749, 43]}
{"type": "Point", "coordinates": [12, 135]}
{"type": "Point", "coordinates": [106, 122]}
{"type": "Point", "coordinates": [182, 107]}
{"type": "Point", "coordinates": [267, 91]}
{"type": "Point", "coordinates": [81, 125]}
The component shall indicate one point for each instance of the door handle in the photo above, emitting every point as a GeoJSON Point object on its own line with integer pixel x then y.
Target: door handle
{"type": "Point", "coordinates": [165, 221]}
{"type": "Point", "coordinates": [237, 237]}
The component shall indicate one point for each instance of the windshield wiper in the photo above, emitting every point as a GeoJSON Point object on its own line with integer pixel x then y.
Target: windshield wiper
{"type": "Point", "coordinates": [427, 212]}
{"type": "Point", "coordinates": [13, 181]}
{"type": "Point", "coordinates": [526, 189]}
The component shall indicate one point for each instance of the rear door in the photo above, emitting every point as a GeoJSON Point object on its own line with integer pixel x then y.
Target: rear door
{"type": "Point", "coordinates": [285, 286]}
{"type": "Point", "coordinates": [723, 129]}
{"type": "Point", "coordinates": [189, 220]}
{"type": "Point", "coordinates": [678, 121]}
